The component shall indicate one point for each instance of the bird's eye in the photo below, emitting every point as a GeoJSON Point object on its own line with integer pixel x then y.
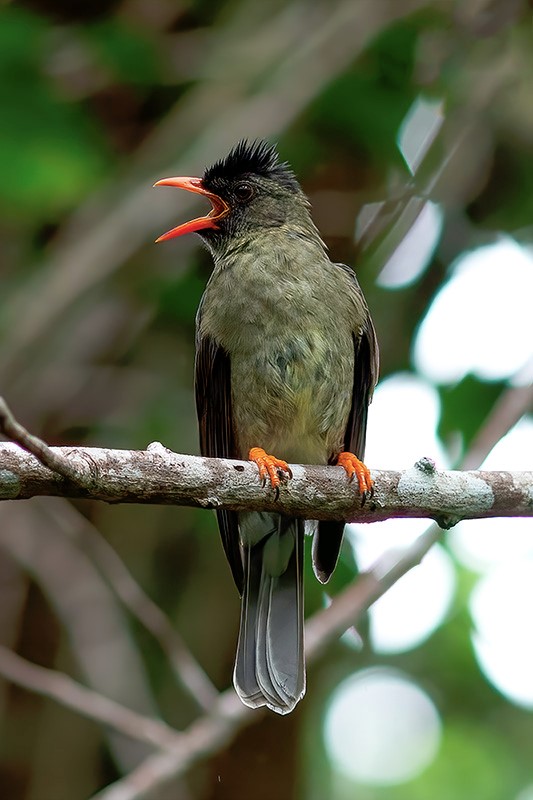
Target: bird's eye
{"type": "Point", "coordinates": [244, 191]}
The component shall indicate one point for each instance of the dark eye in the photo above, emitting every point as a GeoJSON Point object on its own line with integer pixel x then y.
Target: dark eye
{"type": "Point", "coordinates": [244, 191]}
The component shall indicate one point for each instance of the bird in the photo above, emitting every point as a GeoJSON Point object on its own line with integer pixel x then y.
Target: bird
{"type": "Point", "coordinates": [285, 367]}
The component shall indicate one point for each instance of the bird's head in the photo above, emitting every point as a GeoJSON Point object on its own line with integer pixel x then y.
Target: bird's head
{"type": "Point", "coordinates": [249, 190]}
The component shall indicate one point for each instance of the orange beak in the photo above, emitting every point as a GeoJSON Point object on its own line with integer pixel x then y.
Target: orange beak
{"type": "Point", "coordinates": [219, 207]}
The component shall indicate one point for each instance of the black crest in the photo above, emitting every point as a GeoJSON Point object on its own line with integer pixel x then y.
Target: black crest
{"type": "Point", "coordinates": [257, 158]}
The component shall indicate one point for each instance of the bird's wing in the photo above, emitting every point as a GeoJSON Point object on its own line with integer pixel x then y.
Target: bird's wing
{"type": "Point", "coordinates": [328, 539]}
{"type": "Point", "coordinates": [217, 437]}
{"type": "Point", "coordinates": [365, 377]}
{"type": "Point", "coordinates": [366, 368]}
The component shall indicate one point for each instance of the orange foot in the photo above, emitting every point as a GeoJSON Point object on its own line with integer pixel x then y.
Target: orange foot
{"type": "Point", "coordinates": [270, 467]}
{"type": "Point", "coordinates": [355, 468]}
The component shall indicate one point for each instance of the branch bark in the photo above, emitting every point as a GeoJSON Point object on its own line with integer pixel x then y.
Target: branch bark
{"type": "Point", "coordinates": [158, 475]}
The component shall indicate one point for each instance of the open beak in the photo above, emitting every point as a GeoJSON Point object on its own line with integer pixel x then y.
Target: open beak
{"type": "Point", "coordinates": [219, 207]}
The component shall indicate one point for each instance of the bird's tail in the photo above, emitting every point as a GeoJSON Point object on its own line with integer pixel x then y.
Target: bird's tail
{"type": "Point", "coordinates": [269, 667]}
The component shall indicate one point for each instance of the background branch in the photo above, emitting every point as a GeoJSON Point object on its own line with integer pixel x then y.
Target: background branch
{"type": "Point", "coordinates": [210, 733]}
{"type": "Point", "coordinates": [135, 599]}
{"type": "Point", "coordinates": [93, 705]}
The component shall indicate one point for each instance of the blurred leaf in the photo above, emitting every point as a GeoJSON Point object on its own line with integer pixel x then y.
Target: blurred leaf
{"type": "Point", "coordinates": [178, 300]}
{"type": "Point", "coordinates": [369, 103]}
{"type": "Point", "coordinates": [51, 152]}
{"type": "Point", "coordinates": [130, 54]}
{"type": "Point", "coordinates": [473, 762]}
{"type": "Point", "coordinates": [507, 200]}
{"type": "Point", "coordinates": [339, 109]}
{"type": "Point", "coordinates": [465, 406]}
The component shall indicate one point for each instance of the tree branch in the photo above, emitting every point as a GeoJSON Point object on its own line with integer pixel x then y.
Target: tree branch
{"type": "Point", "coordinates": [49, 457]}
{"type": "Point", "coordinates": [185, 667]}
{"type": "Point", "coordinates": [158, 475]}
{"type": "Point", "coordinates": [91, 704]}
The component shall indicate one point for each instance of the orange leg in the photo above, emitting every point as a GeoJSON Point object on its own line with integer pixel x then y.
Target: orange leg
{"type": "Point", "coordinates": [270, 467]}
{"type": "Point", "coordinates": [355, 468]}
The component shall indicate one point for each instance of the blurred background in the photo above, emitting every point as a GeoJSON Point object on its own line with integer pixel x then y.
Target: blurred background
{"type": "Point", "coordinates": [410, 125]}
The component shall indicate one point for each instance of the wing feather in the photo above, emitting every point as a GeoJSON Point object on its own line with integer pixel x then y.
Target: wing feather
{"type": "Point", "coordinates": [328, 538]}
{"type": "Point", "coordinates": [217, 437]}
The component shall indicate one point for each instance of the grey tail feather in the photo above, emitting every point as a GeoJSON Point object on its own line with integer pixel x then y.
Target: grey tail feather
{"type": "Point", "coordinates": [269, 667]}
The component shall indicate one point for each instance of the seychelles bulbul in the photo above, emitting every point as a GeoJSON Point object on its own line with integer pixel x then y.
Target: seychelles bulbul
{"type": "Point", "coordinates": [286, 363]}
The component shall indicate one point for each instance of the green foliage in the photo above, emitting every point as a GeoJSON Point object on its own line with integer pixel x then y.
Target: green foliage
{"type": "Point", "coordinates": [129, 54]}
{"type": "Point", "coordinates": [51, 150]}
{"type": "Point", "coordinates": [465, 406]}
{"type": "Point", "coordinates": [507, 201]}
{"type": "Point", "coordinates": [473, 762]}
{"type": "Point", "coordinates": [179, 299]}
{"type": "Point", "coordinates": [368, 102]}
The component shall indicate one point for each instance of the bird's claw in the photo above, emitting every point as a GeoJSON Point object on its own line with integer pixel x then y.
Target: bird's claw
{"type": "Point", "coordinates": [270, 468]}
{"type": "Point", "coordinates": [355, 468]}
